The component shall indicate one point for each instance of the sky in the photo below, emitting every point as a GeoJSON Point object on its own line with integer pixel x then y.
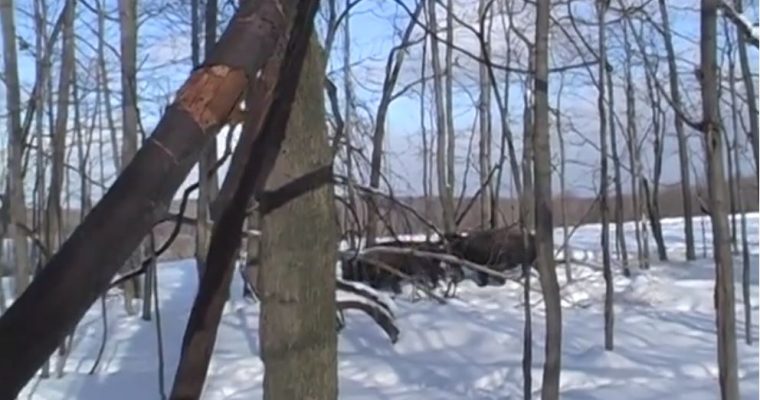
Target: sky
{"type": "Point", "coordinates": [374, 28]}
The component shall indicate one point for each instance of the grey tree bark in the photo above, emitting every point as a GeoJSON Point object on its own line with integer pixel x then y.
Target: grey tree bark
{"type": "Point", "coordinates": [297, 278]}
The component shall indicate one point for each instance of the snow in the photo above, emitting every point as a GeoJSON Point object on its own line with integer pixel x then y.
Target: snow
{"type": "Point", "coordinates": [470, 348]}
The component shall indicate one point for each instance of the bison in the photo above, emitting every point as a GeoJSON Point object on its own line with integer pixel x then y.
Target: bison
{"type": "Point", "coordinates": [500, 249]}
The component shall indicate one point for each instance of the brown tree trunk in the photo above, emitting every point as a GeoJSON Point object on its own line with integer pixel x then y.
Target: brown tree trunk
{"type": "Point", "coordinates": [543, 198]}
{"type": "Point", "coordinates": [54, 302]}
{"type": "Point", "coordinates": [297, 328]}
{"type": "Point", "coordinates": [724, 283]}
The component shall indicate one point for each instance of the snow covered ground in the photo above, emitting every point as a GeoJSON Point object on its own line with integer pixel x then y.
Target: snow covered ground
{"type": "Point", "coordinates": [470, 348]}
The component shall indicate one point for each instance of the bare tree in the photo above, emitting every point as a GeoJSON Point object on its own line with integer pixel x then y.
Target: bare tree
{"type": "Point", "coordinates": [128, 30]}
{"type": "Point", "coordinates": [683, 148]}
{"type": "Point", "coordinates": [724, 282]}
{"type": "Point", "coordinates": [392, 70]}
{"type": "Point", "coordinates": [609, 316]}
{"type": "Point", "coordinates": [749, 86]}
{"type": "Point", "coordinates": [484, 115]}
{"type": "Point", "coordinates": [445, 188]}
{"type": "Point", "coordinates": [543, 198]}
{"type": "Point", "coordinates": [619, 209]}
{"type": "Point", "coordinates": [15, 199]}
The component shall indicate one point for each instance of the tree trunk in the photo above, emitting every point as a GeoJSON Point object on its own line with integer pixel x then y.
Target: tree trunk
{"type": "Point", "coordinates": [633, 153]}
{"type": "Point", "coordinates": [484, 114]}
{"type": "Point", "coordinates": [392, 70]}
{"type": "Point", "coordinates": [749, 85]}
{"type": "Point", "coordinates": [128, 29]}
{"type": "Point", "coordinates": [40, 318]}
{"type": "Point", "coordinates": [683, 147]}
{"type": "Point", "coordinates": [543, 198]}
{"type": "Point", "coordinates": [724, 284]}
{"type": "Point", "coordinates": [104, 83]}
{"type": "Point", "coordinates": [16, 202]}
{"type": "Point", "coordinates": [447, 203]}
{"type": "Point", "coordinates": [619, 209]}
{"type": "Point", "coordinates": [609, 310]}
{"type": "Point", "coordinates": [653, 198]}
{"type": "Point", "coordinates": [450, 132]}
{"type": "Point", "coordinates": [746, 296]}
{"type": "Point", "coordinates": [202, 325]}
{"type": "Point", "coordinates": [208, 187]}
{"type": "Point", "coordinates": [297, 328]}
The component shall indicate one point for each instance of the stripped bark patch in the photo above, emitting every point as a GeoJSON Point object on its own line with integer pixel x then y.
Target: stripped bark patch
{"type": "Point", "coordinates": [211, 94]}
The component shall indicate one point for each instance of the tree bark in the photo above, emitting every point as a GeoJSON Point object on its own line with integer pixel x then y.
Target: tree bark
{"type": "Point", "coordinates": [724, 283]}
{"type": "Point", "coordinates": [297, 321]}
{"type": "Point", "coordinates": [54, 302]}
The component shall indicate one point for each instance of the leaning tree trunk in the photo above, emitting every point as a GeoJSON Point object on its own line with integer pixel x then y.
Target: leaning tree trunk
{"type": "Point", "coordinates": [724, 283]}
{"type": "Point", "coordinates": [40, 318]}
{"type": "Point", "coordinates": [543, 198]}
{"type": "Point", "coordinates": [297, 327]}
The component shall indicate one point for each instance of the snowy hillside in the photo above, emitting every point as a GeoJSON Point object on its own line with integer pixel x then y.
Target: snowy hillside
{"type": "Point", "coordinates": [470, 348]}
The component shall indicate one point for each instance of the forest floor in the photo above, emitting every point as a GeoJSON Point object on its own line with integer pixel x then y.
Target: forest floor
{"type": "Point", "coordinates": [470, 348]}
